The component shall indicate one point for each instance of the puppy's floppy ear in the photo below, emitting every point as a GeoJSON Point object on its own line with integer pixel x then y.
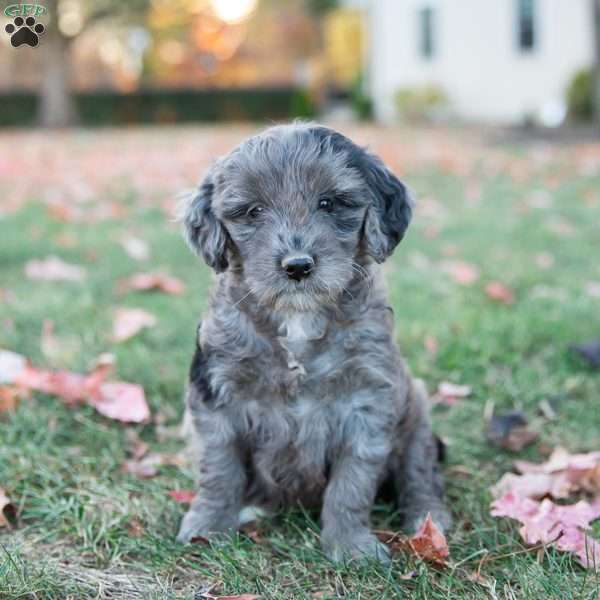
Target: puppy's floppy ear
{"type": "Point", "coordinates": [390, 212]}
{"type": "Point", "coordinates": [203, 232]}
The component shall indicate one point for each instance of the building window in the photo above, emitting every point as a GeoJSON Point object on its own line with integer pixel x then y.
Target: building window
{"type": "Point", "coordinates": [526, 33]}
{"type": "Point", "coordinates": [426, 32]}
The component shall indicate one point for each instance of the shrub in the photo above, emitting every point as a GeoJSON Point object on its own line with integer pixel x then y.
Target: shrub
{"type": "Point", "coordinates": [362, 105]}
{"type": "Point", "coordinates": [580, 96]}
{"type": "Point", "coordinates": [420, 103]}
{"type": "Point", "coordinates": [109, 107]}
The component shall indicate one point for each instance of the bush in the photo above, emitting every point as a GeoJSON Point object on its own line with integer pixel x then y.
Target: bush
{"type": "Point", "coordinates": [362, 105]}
{"type": "Point", "coordinates": [109, 107]}
{"type": "Point", "coordinates": [420, 103]}
{"type": "Point", "coordinates": [580, 96]}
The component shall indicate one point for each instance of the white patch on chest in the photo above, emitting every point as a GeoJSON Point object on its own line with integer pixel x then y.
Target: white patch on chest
{"type": "Point", "coordinates": [297, 332]}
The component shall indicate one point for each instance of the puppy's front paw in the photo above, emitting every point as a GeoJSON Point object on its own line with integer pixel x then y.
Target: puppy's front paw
{"type": "Point", "coordinates": [202, 524]}
{"type": "Point", "coordinates": [361, 545]}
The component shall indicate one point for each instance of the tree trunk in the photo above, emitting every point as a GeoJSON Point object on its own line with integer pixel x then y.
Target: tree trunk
{"type": "Point", "coordinates": [596, 69]}
{"type": "Point", "coordinates": [56, 104]}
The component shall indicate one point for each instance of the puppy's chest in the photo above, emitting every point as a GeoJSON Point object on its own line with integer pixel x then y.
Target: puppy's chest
{"type": "Point", "coordinates": [297, 370]}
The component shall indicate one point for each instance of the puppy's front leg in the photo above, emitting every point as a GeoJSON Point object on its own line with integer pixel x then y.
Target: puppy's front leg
{"type": "Point", "coordinates": [216, 508]}
{"type": "Point", "coordinates": [347, 506]}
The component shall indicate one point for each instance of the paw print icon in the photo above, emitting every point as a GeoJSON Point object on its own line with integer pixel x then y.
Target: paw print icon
{"type": "Point", "coordinates": [24, 31]}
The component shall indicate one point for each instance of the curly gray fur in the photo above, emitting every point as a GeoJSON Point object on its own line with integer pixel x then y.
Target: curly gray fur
{"type": "Point", "coordinates": [297, 391]}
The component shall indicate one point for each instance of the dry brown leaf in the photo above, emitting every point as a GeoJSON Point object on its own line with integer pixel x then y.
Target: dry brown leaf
{"type": "Point", "coordinates": [209, 596]}
{"type": "Point", "coordinates": [10, 396]}
{"type": "Point", "coordinates": [148, 466]}
{"type": "Point", "coordinates": [11, 366]}
{"type": "Point", "coordinates": [182, 496]}
{"type": "Point", "coordinates": [428, 543]}
{"type": "Point", "coordinates": [135, 528]}
{"type": "Point", "coordinates": [8, 512]}
{"type": "Point", "coordinates": [53, 268]}
{"type": "Point", "coordinates": [510, 431]}
{"type": "Point", "coordinates": [136, 447]}
{"type": "Point", "coordinates": [462, 272]}
{"type": "Point", "coordinates": [449, 393]}
{"type": "Point", "coordinates": [121, 401]}
{"type": "Point", "coordinates": [136, 248]}
{"type": "Point", "coordinates": [544, 260]}
{"type": "Point", "coordinates": [130, 321]}
{"type": "Point", "coordinates": [592, 289]}
{"type": "Point", "coordinates": [495, 290]}
{"type": "Point", "coordinates": [561, 526]}
{"type": "Point", "coordinates": [431, 344]}
{"type": "Point", "coordinates": [116, 400]}
{"type": "Point", "coordinates": [152, 281]}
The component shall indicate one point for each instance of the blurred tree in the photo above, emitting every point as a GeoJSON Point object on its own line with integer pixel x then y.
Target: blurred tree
{"type": "Point", "coordinates": [596, 77]}
{"type": "Point", "coordinates": [320, 7]}
{"type": "Point", "coordinates": [68, 19]}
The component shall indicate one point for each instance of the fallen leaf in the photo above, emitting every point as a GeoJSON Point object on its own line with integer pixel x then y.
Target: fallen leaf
{"type": "Point", "coordinates": [590, 352]}
{"type": "Point", "coordinates": [116, 400]}
{"type": "Point", "coordinates": [182, 496]}
{"type": "Point", "coordinates": [450, 393]}
{"type": "Point", "coordinates": [136, 248]}
{"type": "Point", "coordinates": [121, 401]}
{"type": "Point", "coordinates": [499, 292]}
{"type": "Point", "coordinates": [7, 510]}
{"type": "Point", "coordinates": [72, 387]}
{"type": "Point", "coordinates": [152, 281]}
{"type": "Point", "coordinates": [592, 288]}
{"type": "Point", "coordinates": [561, 526]}
{"type": "Point", "coordinates": [209, 596]}
{"type": "Point", "coordinates": [510, 431]}
{"type": "Point", "coordinates": [11, 366]}
{"type": "Point", "coordinates": [53, 268]}
{"type": "Point", "coordinates": [544, 260]}
{"type": "Point", "coordinates": [147, 466]}
{"type": "Point", "coordinates": [130, 321]}
{"type": "Point", "coordinates": [429, 543]}
{"type": "Point", "coordinates": [10, 397]}
{"type": "Point", "coordinates": [431, 344]}
{"type": "Point", "coordinates": [136, 447]}
{"type": "Point", "coordinates": [239, 597]}
{"type": "Point", "coordinates": [135, 528]}
{"type": "Point", "coordinates": [462, 272]}
{"type": "Point", "coordinates": [561, 475]}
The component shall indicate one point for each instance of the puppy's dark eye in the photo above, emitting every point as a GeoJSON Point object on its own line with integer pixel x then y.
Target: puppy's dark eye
{"type": "Point", "coordinates": [326, 204]}
{"type": "Point", "coordinates": [255, 211]}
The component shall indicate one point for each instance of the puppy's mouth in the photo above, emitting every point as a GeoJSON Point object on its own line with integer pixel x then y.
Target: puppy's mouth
{"type": "Point", "coordinates": [302, 296]}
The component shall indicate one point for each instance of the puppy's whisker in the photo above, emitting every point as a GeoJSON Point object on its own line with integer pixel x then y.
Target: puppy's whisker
{"type": "Point", "coordinates": [250, 291]}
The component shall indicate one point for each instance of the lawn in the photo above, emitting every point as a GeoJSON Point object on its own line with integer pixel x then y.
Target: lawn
{"type": "Point", "coordinates": [524, 214]}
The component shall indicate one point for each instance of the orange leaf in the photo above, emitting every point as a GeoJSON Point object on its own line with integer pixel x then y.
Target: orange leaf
{"type": "Point", "coordinates": [182, 496]}
{"type": "Point", "coordinates": [53, 268]}
{"type": "Point", "coordinates": [129, 321]}
{"type": "Point", "coordinates": [499, 292]}
{"type": "Point", "coordinates": [152, 281]}
{"type": "Point", "coordinates": [429, 543]}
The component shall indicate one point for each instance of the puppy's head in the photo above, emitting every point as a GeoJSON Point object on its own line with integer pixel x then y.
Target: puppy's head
{"type": "Point", "coordinates": [295, 210]}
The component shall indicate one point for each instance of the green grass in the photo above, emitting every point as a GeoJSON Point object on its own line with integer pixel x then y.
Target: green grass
{"type": "Point", "coordinates": [62, 466]}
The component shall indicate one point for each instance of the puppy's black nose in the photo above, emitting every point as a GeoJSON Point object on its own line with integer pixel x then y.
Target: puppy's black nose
{"type": "Point", "coordinates": [298, 267]}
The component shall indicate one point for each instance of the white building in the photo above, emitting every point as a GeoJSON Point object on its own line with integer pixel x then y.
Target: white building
{"type": "Point", "coordinates": [496, 60]}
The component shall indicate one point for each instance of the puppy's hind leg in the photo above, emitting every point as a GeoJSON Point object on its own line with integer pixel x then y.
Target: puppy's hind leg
{"type": "Point", "coordinates": [416, 468]}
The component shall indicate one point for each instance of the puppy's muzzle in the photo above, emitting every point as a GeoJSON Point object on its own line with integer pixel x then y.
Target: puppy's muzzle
{"type": "Point", "coordinates": [298, 267]}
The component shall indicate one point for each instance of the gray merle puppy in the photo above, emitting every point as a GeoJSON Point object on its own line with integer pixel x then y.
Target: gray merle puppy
{"type": "Point", "coordinates": [297, 391]}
